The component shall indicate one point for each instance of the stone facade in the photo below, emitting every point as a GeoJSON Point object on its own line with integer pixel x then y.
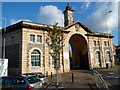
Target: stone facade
{"type": "Point", "coordinates": [89, 49]}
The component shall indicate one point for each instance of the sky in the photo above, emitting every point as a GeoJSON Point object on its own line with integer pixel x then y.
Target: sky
{"type": "Point", "coordinates": [91, 14]}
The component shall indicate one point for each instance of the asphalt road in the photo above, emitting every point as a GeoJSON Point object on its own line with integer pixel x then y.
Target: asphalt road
{"type": "Point", "coordinates": [83, 77]}
{"type": "Point", "coordinates": [112, 77]}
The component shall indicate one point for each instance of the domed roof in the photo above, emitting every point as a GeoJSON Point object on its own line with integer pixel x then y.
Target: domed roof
{"type": "Point", "coordinates": [68, 7]}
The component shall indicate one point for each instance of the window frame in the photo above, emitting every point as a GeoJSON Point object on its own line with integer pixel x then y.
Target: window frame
{"type": "Point", "coordinates": [108, 57]}
{"type": "Point", "coordinates": [105, 43]}
{"type": "Point", "coordinates": [32, 41]}
{"type": "Point", "coordinates": [9, 81]}
{"type": "Point", "coordinates": [40, 38]}
{"type": "Point", "coordinates": [97, 58]}
{"type": "Point", "coordinates": [19, 83]}
{"type": "Point", "coordinates": [95, 44]}
{"type": "Point", "coordinates": [108, 43]}
{"type": "Point", "coordinates": [36, 58]}
{"type": "Point", "coordinates": [12, 38]}
{"type": "Point", "coordinates": [98, 43]}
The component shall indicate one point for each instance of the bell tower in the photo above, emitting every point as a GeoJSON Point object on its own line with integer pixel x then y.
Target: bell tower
{"type": "Point", "coordinates": [68, 15]}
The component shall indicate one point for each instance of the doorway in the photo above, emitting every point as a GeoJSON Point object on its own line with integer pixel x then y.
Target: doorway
{"type": "Point", "coordinates": [78, 53]}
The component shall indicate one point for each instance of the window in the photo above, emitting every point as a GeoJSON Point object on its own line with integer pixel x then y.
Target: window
{"type": "Point", "coordinates": [20, 81]}
{"type": "Point", "coordinates": [107, 57]}
{"type": "Point", "coordinates": [94, 43]}
{"type": "Point", "coordinates": [32, 38]}
{"type": "Point", "coordinates": [108, 43]}
{"type": "Point", "coordinates": [35, 58]}
{"type": "Point", "coordinates": [39, 38]}
{"type": "Point", "coordinates": [98, 58]}
{"type": "Point", "coordinates": [98, 43]}
{"type": "Point", "coordinates": [12, 38]}
{"type": "Point", "coordinates": [9, 81]}
{"type": "Point", "coordinates": [53, 61]}
{"type": "Point", "coordinates": [104, 43]}
{"type": "Point", "coordinates": [33, 79]}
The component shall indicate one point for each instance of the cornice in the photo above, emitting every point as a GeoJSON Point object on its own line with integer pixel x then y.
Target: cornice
{"type": "Point", "coordinates": [31, 25]}
{"type": "Point", "coordinates": [100, 35]}
{"type": "Point", "coordinates": [26, 24]}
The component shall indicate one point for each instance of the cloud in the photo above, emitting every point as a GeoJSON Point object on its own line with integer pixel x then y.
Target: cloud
{"type": "Point", "coordinates": [85, 6]}
{"type": "Point", "coordinates": [50, 15]}
{"type": "Point", "coordinates": [13, 21]}
{"type": "Point", "coordinates": [97, 22]}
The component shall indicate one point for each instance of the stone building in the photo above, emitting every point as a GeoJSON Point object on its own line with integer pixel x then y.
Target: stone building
{"type": "Point", "coordinates": [27, 51]}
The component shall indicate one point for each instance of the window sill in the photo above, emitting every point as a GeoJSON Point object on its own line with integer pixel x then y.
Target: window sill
{"type": "Point", "coordinates": [31, 42]}
{"type": "Point", "coordinates": [34, 67]}
{"type": "Point", "coordinates": [39, 42]}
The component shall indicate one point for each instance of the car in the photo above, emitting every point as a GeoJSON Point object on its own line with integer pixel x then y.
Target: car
{"type": "Point", "coordinates": [40, 75]}
{"type": "Point", "coordinates": [21, 83]}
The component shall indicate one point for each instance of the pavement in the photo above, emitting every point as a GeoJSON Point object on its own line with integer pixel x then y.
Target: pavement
{"type": "Point", "coordinates": [82, 79]}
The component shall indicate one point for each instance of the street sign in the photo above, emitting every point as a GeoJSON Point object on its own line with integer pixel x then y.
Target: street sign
{"type": "Point", "coordinates": [3, 67]}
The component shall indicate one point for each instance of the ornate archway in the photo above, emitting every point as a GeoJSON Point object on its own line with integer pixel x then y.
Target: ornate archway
{"type": "Point", "coordinates": [79, 55]}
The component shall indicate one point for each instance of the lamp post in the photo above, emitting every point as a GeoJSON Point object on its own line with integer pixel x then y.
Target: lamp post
{"type": "Point", "coordinates": [4, 37]}
{"type": "Point", "coordinates": [107, 54]}
{"type": "Point", "coordinates": [106, 23]}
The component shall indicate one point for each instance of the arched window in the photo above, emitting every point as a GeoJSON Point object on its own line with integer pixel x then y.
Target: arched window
{"type": "Point", "coordinates": [107, 57]}
{"type": "Point", "coordinates": [98, 61]}
{"type": "Point", "coordinates": [35, 58]}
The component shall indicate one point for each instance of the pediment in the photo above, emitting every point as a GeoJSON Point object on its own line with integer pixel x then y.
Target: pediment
{"type": "Point", "coordinates": [79, 25]}
{"type": "Point", "coordinates": [81, 28]}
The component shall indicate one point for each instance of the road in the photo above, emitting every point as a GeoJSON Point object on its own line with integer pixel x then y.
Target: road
{"type": "Point", "coordinates": [112, 76]}
{"type": "Point", "coordinates": [83, 77]}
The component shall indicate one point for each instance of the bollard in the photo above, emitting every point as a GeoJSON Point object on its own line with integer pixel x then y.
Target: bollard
{"type": "Point", "coordinates": [51, 74]}
{"type": "Point", "coordinates": [72, 78]}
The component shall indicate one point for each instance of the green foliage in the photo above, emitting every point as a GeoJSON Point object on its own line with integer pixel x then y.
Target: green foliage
{"type": "Point", "coordinates": [55, 42]}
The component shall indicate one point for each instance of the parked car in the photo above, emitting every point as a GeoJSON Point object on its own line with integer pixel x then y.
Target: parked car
{"type": "Point", "coordinates": [40, 75]}
{"type": "Point", "coordinates": [21, 83]}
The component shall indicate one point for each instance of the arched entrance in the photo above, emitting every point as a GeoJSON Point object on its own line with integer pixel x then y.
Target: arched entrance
{"type": "Point", "coordinates": [79, 52]}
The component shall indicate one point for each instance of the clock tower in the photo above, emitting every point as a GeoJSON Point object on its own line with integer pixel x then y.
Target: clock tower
{"type": "Point", "coordinates": [68, 15]}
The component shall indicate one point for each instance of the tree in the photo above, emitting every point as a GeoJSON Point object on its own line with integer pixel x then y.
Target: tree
{"type": "Point", "coordinates": [55, 41]}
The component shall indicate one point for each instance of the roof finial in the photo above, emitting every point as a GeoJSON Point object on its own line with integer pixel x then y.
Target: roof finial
{"type": "Point", "coordinates": [68, 4]}
{"type": "Point", "coordinates": [68, 7]}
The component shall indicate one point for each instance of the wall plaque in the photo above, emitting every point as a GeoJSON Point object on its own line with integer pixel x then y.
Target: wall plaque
{"type": "Point", "coordinates": [77, 26]}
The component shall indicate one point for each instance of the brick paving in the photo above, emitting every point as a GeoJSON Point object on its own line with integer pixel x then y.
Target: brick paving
{"type": "Point", "coordinates": [81, 79]}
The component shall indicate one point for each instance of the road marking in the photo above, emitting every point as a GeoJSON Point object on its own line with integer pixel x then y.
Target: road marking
{"type": "Point", "coordinates": [115, 77]}
{"type": "Point", "coordinates": [111, 73]}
